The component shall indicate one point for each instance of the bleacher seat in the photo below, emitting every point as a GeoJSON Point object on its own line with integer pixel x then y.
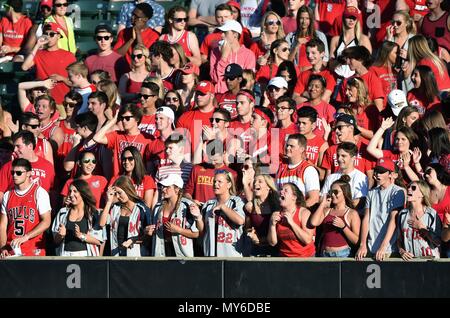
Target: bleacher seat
{"type": "Point", "coordinates": [30, 8]}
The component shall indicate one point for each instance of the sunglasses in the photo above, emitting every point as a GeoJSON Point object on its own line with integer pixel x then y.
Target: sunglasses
{"type": "Point", "coordinates": [216, 120]}
{"type": "Point", "coordinates": [273, 22]}
{"type": "Point", "coordinates": [179, 20]}
{"type": "Point", "coordinates": [171, 99]}
{"type": "Point", "coordinates": [128, 159]}
{"type": "Point", "coordinates": [127, 118]}
{"type": "Point", "coordinates": [139, 56]}
{"type": "Point", "coordinates": [71, 105]}
{"type": "Point", "coordinates": [99, 38]}
{"type": "Point", "coordinates": [273, 89]}
{"type": "Point", "coordinates": [145, 96]}
{"type": "Point", "coordinates": [335, 192]}
{"type": "Point", "coordinates": [32, 126]}
{"type": "Point", "coordinates": [396, 22]}
{"type": "Point", "coordinates": [59, 5]}
{"type": "Point", "coordinates": [413, 187]}
{"type": "Point", "coordinates": [283, 108]}
{"type": "Point", "coordinates": [17, 172]}
{"type": "Point", "coordinates": [230, 78]}
{"type": "Point", "coordinates": [89, 160]}
{"type": "Point", "coordinates": [340, 127]}
{"type": "Point", "coordinates": [50, 34]}
{"type": "Point", "coordinates": [284, 49]}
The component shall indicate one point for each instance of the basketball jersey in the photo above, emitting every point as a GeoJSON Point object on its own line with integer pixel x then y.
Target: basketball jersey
{"type": "Point", "coordinates": [23, 216]}
{"type": "Point", "coordinates": [182, 40]}
{"type": "Point", "coordinates": [68, 139]}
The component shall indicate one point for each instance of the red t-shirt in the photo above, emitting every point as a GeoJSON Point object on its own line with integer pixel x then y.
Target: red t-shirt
{"type": "Point", "coordinates": [67, 144]}
{"type": "Point", "coordinates": [149, 36]}
{"type": "Point", "coordinates": [148, 183]}
{"type": "Point", "coordinates": [329, 11]}
{"type": "Point", "coordinates": [114, 63]}
{"type": "Point", "coordinates": [289, 24]}
{"type": "Point", "coordinates": [265, 73]}
{"type": "Point", "coordinates": [148, 124]}
{"type": "Point", "coordinates": [284, 134]}
{"type": "Point", "coordinates": [54, 62]}
{"type": "Point", "coordinates": [227, 101]}
{"type": "Point", "coordinates": [313, 147]}
{"type": "Point", "coordinates": [374, 85]}
{"type": "Point", "coordinates": [415, 98]}
{"type": "Point", "coordinates": [387, 77]}
{"type": "Point", "coordinates": [241, 131]}
{"type": "Point", "coordinates": [119, 140]}
{"type": "Point", "coordinates": [42, 173]}
{"type": "Point", "coordinates": [363, 161]}
{"type": "Point", "coordinates": [97, 184]}
{"type": "Point", "coordinates": [325, 111]}
{"type": "Point", "coordinates": [194, 121]}
{"type": "Point", "coordinates": [14, 34]}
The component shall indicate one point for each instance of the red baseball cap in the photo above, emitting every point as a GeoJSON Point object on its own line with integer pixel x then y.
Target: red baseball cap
{"type": "Point", "coordinates": [52, 26]}
{"type": "Point", "coordinates": [190, 68]}
{"type": "Point", "coordinates": [205, 87]}
{"type": "Point", "coordinates": [352, 12]}
{"type": "Point", "coordinates": [234, 4]}
{"type": "Point", "coordinates": [386, 164]}
{"type": "Point", "coordinates": [48, 3]}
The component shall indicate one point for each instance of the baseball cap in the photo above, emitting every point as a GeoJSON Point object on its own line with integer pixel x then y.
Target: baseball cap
{"type": "Point", "coordinates": [205, 87]}
{"type": "Point", "coordinates": [279, 82]}
{"type": "Point", "coordinates": [233, 70]}
{"type": "Point", "coordinates": [103, 28]}
{"type": "Point", "coordinates": [52, 26]}
{"type": "Point", "coordinates": [166, 111]}
{"type": "Point", "coordinates": [385, 164]}
{"type": "Point", "coordinates": [397, 101]}
{"type": "Point", "coordinates": [231, 25]}
{"type": "Point", "coordinates": [234, 4]}
{"type": "Point", "coordinates": [48, 3]}
{"type": "Point", "coordinates": [348, 119]}
{"type": "Point", "coordinates": [190, 68]}
{"type": "Point", "coordinates": [172, 179]}
{"type": "Point", "coordinates": [352, 12]}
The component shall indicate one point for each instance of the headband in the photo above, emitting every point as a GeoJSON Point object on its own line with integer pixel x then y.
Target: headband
{"type": "Point", "coordinates": [250, 96]}
{"type": "Point", "coordinates": [262, 114]}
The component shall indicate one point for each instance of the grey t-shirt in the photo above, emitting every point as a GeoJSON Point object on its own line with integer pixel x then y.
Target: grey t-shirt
{"type": "Point", "coordinates": [205, 8]}
{"type": "Point", "coordinates": [381, 203]}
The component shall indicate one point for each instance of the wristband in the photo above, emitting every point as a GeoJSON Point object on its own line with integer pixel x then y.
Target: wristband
{"type": "Point", "coordinates": [83, 238]}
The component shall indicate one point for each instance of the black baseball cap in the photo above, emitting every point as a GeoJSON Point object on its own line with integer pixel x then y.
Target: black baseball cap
{"type": "Point", "coordinates": [348, 119]}
{"type": "Point", "coordinates": [233, 70]}
{"type": "Point", "coordinates": [103, 28]}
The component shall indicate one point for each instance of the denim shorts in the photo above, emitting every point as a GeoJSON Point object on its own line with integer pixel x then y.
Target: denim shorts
{"type": "Point", "coordinates": [341, 253]}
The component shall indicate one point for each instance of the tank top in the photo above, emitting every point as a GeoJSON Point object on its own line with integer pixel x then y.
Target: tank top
{"type": "Point", "coordinates": [437, 29]}
{"type": "Point", "coordinates": [443, 206]}
{"type": "Point", "coordinates": [183, 40]}
{"type": "Point", "coordinates": [49, 129]}
{"type": "Point", "coordinates": [132, 86]}
{"type": "Point", "coordinates": [71, 242]}
{"type": "Point", "coordinates": [289, 245]}
{"type": "Point", "coordinates": [331, 235]}
{"type": "Point", "coordinates": [41, 147]}
{"type": "Point", "coordinates": [68, 139]}
{"type": "Point", "coordinates": [261, 223]}
{"type": "Point", "coordinates": [344, 70]}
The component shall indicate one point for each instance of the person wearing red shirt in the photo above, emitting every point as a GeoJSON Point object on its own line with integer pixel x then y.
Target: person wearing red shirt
{"type": "Point", "coordinates": [130, 115]}
{"type": "Point", "coordinates": [200, 185]}
{"type": "Point", "coordinates": [45, 107]}
{"type": "Point", "coordinates": [289, 21]}
{"type": "Point", "coordinates": [139, 33]}
{"type": "Point", "coordinates": [42, 171]}
{"type": "Point", "coordinates": [30, 122]}
{"type": "Point", "coordinates": [315, 144]}
{"type": "Point", "coordinates": [436, 23]}
{"type": "Point", "coordinates": [425, 94]}
{"type": "Point", "coordinates": [97, 183]}
{"type": "Point", "coordinates": [72, 101]}
{"type": "Point", "coordinates": [315, 53]}
{"type": "Point", "coordinates": [278, 53]}
{"type": "Point", "coordinates": [149, 99]}
{"type": "Point", "coordinates": [233, 79]}
{"type": "Point", "coordinates": [245, 102]}
{"type": "Point", "coordinates": [50, 61]}
{"type": "Point", "coordinates": [289, 228]}
{"type": "Point", "coordinates": [192, 122]}
{"type": "Point", "coordinates": [25, 214]}
{"type": "Point", "coordinates": [285, 109]}
{"type": "Point", "coordinates": [316, 90]}
{"type": "Point", "coordinates": [14, 28]}
{"type": "Point", "coordinates": [327, 12]}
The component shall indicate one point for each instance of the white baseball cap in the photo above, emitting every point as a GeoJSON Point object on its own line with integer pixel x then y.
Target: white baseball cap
{"type": "Point", "coordinates": [166, 111]}
{"type": "Point", "coordinates": [397, 101]}
{"type": "Point", "coordinates": [231, 25]}
{"type": "Point", "coordinates": [279, 82]}
{"type": "Point", "coordinates": [172, 179]}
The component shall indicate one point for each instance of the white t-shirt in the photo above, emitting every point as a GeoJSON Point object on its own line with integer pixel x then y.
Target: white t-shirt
{"type": "Point", "coordinates": [359, 183]}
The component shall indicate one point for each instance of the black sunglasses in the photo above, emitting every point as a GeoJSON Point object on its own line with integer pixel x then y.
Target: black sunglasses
{"type": "Point", "coordinates": [413, 187]}
{"type": "Point", "coordinates": [127, 118]}
{"type": "Point", "coordinates": [17, 172]}
{"type": "Point", "coordinates": [89, 160]}
{"type": "Point", "coordinates": [99, 38]}
{"type": "Point", "coordinates": [171, 99]}
{"type": "Point", "coordinates": [71, 105]}
{"type": "Point", "coordinates": [32, 126]}
{"type": "Point", "coordinates": [396, 22]}
{"type": "Point", "coordinates": [179, 20]}
{"type": "Point", "coordinates": [217, 120]}
{"type": "Point", "coordinates": [145, 96]}
{"type": "Point", "coordinates": [230, 78]}
{"type": "Point", "coordinates": [334, 191]}
{"type": "Point", "coordinates": [59, 5]}
{"type": "Point", "coordinates": [272, 22]}
{"type": "Point", "coordinates": [128, 159]}
{"type": "Point", "coordinates": [139, 56]}
{"type": "Point", "coordinates": [50, 34]}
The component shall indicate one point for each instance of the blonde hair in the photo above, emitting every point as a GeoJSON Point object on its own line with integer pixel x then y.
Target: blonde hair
{"type": "Point", "coordinates": [229, 177]}
{"type": "Point", "coordinates": [146, 52]}
{"type": "Point", "coordinates": [280, 32]}
{"type": "Point", "coordinates": [110, 89]}
{"type": "Point", "coordinates": [410, 25]}
{"type": "Point", "coordinates": [182, 56]}
{"type": "Point", "coordinates": [418, 50]}
{"type": "Point", "coordinates": [78, 68]}
{"type": "Point", "coordinates": [125, 183]}
{"type": "Point", "coordinates": [272, 190]}
{"type": "Point", "coordinates": [362, 93]}
{"type": "Point", "coordinates": [177, 204]}
{"type": "Point", "coordinates": [425, 190]}
{"type": "Point", "coordinates": [358, 31]}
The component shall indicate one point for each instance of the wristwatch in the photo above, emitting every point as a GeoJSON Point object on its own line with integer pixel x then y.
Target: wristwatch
{"type": "Point", "coordinates": [83, 238]}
